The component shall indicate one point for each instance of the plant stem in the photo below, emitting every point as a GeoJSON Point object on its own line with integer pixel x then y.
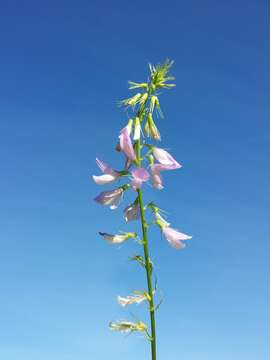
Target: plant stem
{"type": "Point", "coordinates": [148, 275]}
{"type": "Point", "coordinates": [148, 267]}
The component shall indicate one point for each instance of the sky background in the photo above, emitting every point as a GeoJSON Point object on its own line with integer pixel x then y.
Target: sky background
{"type": "Point", "coordinates": [64, 65]}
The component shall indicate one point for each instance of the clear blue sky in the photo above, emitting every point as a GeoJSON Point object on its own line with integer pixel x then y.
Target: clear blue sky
{"type": "Point", "coordinates": [64, 64]}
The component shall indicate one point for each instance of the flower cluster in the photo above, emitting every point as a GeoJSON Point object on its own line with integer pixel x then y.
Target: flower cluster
{"type": "Point", "coordinates": [160, 160]}
{"type": "Point", "coordinates": [144, 162]}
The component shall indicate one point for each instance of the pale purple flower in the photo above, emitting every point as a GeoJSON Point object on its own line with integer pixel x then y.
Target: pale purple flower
{"type": "Point", "coordinates": [164, 158]}
{"type": "Point", "coordinates": [175, 237]}
{"type": "Point", "coordinates": [109, 175]}
{"type": "Point", "coordinates": [156, 177]}
{"type": "Point", "coordinates": [157, 180]}
{"type": "Point", "coordinates": [139, 175]}
{"type": "Point", "coordinates": [132, 212]}
{"type": "Point", "coordinates": [110, 198]}
{"type": "Point", "coordinates": [126, 143]}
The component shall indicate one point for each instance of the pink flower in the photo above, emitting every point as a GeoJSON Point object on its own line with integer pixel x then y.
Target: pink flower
{"type": "Point", "coordinates": [132, 212]}
{"type": "Point", "coordinates": [164, 158]}
{"type": "Point", "coordinates": [109, 176]}
{"type": "Point", "coordinates": [139, 175]}
{"type": "Point", "coordinates": [110, 198]}
{"type": "Point", "coordinates": [175, 237]}
{"type": "Point", "coordinates": [126, 143]}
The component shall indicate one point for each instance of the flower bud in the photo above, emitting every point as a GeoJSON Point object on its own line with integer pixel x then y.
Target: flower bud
{"type": "Point", "coordinates": [133, 100]}
{"type": "Point", "coordinates": [143, 98]}
{"type": "Point", "coordinates": [152, 103]}
{"type": "Point", "coordinates": [137, 129]}
{"type": "Point", "coordinates": [151, 129]}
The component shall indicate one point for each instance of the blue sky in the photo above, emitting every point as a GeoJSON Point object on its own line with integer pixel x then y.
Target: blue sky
{"type": "Point", "coordinates": [64, 64]}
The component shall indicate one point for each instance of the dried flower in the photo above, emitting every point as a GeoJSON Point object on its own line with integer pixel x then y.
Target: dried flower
{"type": "Point", "coordinates": [128, 326]}
{"type": "Point", "coordinates": [132, 299]}
{"type": "Point", "coordinates": [118, 238]}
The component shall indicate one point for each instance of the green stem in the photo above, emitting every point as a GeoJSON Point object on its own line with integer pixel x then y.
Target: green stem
{"type": "Point", "coordinates": [148, 275]}
{"type": "Point", "coordinates": [148, 267]}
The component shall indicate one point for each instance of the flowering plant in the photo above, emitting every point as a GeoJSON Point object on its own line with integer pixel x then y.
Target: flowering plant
{"type": "Point", "coordinates": [144, 161]}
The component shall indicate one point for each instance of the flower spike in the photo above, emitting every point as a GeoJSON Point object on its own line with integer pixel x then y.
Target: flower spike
{"type": "Point", "coordinates": [144, 161]}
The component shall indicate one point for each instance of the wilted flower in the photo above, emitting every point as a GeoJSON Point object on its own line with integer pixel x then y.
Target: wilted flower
{"type": "Point", "coordinates": [139, 175]}
{"type": "Point", "coordinates": [175, 237]}
{"type": "Point", "coordinates": [132, 299]}
{"type": "Point", "coordinates": [164, 158]}
{"type": "Point", "coordinates": [126, 143]}
{"type": "Point", "coordinates": [110, 198]}
{"type": "Point", "coordinates": [128, 326]}
{"type": "Point", "coordinates": [132, 212]}
{"type": "Point", "coordinates": [118, 238]}
{"type": "Point", "coordinates": [109, 176]}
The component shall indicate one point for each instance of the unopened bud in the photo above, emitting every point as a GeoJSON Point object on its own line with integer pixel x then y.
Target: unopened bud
{"type": "Point", "coordinates": [137, 129]}
{"type": "Point", "coordinates": [151, 129]}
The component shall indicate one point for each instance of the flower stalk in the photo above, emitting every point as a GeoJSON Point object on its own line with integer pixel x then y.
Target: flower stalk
{"type": "Point", "coordinates": [143, 162]}
{"type": "Point", "coordinates": [147, 261]}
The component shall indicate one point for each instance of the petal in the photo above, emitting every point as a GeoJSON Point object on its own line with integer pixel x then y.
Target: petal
{"type": "Point", "coordinates": [136, 184]}
{"type": "Point", "coordinates": [157, 181]}
{"type": "Point", "coordinates": [104, 179]}
{"type": "Point", "coordinates": [175, 237]}
{"type": "Point", "coordinates": [140, 174]}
